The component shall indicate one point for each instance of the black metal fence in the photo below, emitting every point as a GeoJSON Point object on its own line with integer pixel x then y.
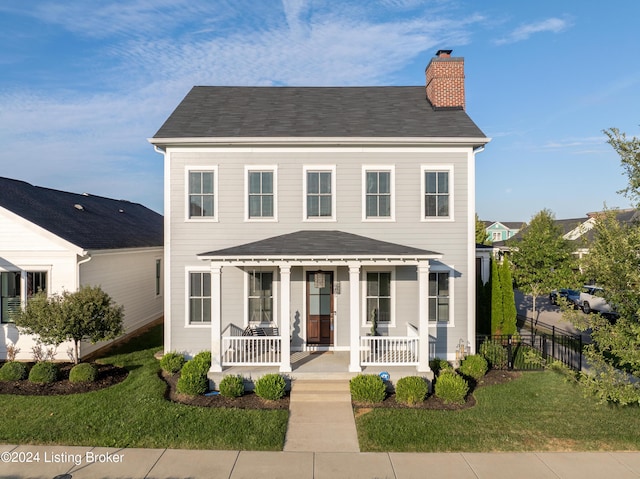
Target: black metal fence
{"type": "Point", "coordinates": [532, 350]}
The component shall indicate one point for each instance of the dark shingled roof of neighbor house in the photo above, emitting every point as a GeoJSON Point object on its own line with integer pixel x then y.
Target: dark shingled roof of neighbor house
{"type": "Point", "coordinates": [319, 243]}
{"type": "Point", "coordinates": [272, 112]}
{"type": "Point", "coordinates": [87, 221]}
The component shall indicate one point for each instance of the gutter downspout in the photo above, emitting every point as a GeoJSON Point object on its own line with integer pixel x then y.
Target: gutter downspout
{"type": "Point", "coordinates": [87, 257]}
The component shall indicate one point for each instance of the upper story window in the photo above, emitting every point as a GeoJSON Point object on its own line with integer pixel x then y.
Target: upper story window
{"type": "Point", "coordinates": [202, 192]}
{"type": "Point", "coordinates": [377, 200]}
{"type": "Point", "coordinates": [261, 189]}
{"type": "Point", "coordinates": [319, 193]}
{"type": "Point", "coordinates": [437, 197]}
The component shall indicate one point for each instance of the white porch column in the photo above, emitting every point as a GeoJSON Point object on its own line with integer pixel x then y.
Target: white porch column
{"type": "Point", "coordinates": [216, 319]}
{"type": "Point", "coordinates": [354, 318]}
{"type": "Point", "coordinates": [423, 316]}
{"type": "Point", "coordinates": [285, 318]}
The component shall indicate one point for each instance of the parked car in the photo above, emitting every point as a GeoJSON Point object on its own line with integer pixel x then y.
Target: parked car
{"type": "Point", "coordinates": [592, 299]}
{"type": "Point", "coordinates": [571, 295]}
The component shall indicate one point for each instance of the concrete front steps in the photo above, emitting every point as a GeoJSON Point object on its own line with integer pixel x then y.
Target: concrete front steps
{"type": "Point", "coordinates": [321, 417]}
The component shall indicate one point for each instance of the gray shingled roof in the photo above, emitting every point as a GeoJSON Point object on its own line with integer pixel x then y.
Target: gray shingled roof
{"type": "Point", "coordinates": [218, 111]}
{"type": "Point", "coordinates": [101, 223]}
{"type": "Point", "coordinates": [318, 243]}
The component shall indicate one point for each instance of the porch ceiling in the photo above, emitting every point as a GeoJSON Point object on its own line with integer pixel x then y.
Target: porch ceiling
{"type": "Point", "coordinates": [314, 245]}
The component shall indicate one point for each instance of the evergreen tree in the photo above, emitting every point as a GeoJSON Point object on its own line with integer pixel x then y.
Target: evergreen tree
{"type": "Point", "coordinates": [497, 311]}
{"type": "Point", "coordinates": [509, 312]}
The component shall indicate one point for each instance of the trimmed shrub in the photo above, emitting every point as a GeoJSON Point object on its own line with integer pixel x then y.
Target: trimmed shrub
{"type": "Point", "coordinates": [451, 387]}
{"type": "Point", "coordinates": [474, 366]}
{"type": "Point", "coordinates": [411, 390]}
{"type": "Point", "coordinates": [437, 365]}
{"type": "Point", "coordinates": [270, 387]}
{"type": "Point", "coordinates": [193, 381]}
{"type": "Point", "coordinates": [495, 354]}
{"type": "Point", "coordinates": [203, 359]}
{"type": "Point", "coordinates": [232, 386]}
{"type": "Point", "coordinates": [13, 371]}
{"type": "Point", "coordinates": [83, 373]}
{"type": "Point", "coordinates": [172, 362]}
{"type": "Point", "coordinates": [43, 372]}
{"type": "Point", "coordinates": [367, 388]}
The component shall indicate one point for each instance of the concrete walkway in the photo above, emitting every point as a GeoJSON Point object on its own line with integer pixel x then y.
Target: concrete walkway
{"type": "Point", "coordinates": [68, 462]}
{"type": "Point", "coordinates": [321, 418]}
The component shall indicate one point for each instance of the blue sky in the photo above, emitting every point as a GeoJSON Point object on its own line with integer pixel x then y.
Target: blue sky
{"type": "Point", "coordinates": [84, 84]}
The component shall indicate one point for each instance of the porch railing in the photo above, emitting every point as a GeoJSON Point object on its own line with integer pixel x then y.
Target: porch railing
{"type": "Point", "coordinates": [251, 350]}
{"type": "Point", "coordinates": [388, 351]}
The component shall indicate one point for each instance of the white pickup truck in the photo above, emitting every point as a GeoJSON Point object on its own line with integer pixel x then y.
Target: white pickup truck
{"type": "Point", "coordinates": [591, 299]}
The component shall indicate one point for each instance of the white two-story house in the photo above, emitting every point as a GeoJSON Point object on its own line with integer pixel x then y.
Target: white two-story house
{"type": "Point", "coordinates": [296, 216]}
{"type": "Point", "coordinates": [56, 241]}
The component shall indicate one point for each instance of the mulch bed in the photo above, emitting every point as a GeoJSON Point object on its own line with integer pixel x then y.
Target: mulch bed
{"type": "Point", "coordinates": [248, 401]}
{"type": "Point", "coordinates": [108, 375]}
{"type": "Point", "coordinates": [492, 377]}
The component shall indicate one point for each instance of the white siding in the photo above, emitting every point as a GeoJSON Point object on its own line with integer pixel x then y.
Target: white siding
{"type": "Point", "coordinates": [129, 277]}
{"type": "Point", "coordinates": [26, 247]}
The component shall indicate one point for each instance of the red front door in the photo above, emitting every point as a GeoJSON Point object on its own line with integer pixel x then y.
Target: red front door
{"type": "Point", "coordinates": [320, 307]}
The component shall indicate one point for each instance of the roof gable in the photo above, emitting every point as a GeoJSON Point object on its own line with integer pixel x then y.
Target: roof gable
{"type": "Point", "coordinates": [87, 221]}
{"type": "Point", "coordinates": [311, 112]}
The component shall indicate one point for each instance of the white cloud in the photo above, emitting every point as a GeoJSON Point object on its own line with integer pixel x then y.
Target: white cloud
{"type": "Point", "coordinates": [152, 52]}
{"type": "Point", "coordinates": [524, 32]}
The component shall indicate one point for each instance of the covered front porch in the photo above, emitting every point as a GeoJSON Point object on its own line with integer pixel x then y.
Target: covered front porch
{"type": "Point", "coordinates": [318, 365]}
{"type": "Point", "coordinates": [330, 333]}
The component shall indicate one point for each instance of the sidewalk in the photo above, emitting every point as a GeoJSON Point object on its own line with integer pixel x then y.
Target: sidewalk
{"type": "Point", "coordinates": [321, 443]}
{"type": "Point", "coordinates": [168, 463]}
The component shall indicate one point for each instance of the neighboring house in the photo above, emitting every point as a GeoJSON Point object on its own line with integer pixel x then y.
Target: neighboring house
{"type": "Point", "coordinates": [501, 230]}
{"type": "Point", "coordinates": [580, 230]}
{"type": "Point", "coordinates": [56, 241]}
{"type": "Point", "coordinates": [302, 213]}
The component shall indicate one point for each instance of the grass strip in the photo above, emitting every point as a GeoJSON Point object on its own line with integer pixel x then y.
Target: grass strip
{"type": "Point", "coordinates": [541, 411]}
{"type": "Point", "coordinates": [135, 413]}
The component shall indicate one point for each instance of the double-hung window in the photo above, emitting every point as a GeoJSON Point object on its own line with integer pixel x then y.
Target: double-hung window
{"type": "Point", "coordinates": [319, 193]}
{"type": "Point", "coordinates": [11, 291]}
{"type": "Point", "coordinates": [379, 297]}
{"type": "Point", "coordinates": [436, 193]}
{"type": "Point", "coordinates": [378, 193]}
{"type": "Point", "coordinates": [199, 297]}
{"type": "Point", "coordinates": [9, 295]}
{"type": "Point", "coordinates": [439, 297]}
{"type": "Point", "coordinates": [260, 297]}
{"type": "Point", "coordinates": [202, 194]}
{"type": "Point", "coordinates": [261, 193]}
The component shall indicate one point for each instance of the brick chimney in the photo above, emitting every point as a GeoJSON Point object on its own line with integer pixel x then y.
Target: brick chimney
{"type": "Point", "coordinates": [445, 81]}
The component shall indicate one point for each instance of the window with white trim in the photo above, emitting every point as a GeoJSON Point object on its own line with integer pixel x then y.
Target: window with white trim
{"type": "Point", "coordinates": [319, 193]}
{"type": "Point", "coordinates": [260, 296]}
{"type": "Point", "coordinates": [261, 194]}
{"type": "Point", "coordinates": [202, 194]}
{"type": "Point", "coordinates": [439, 296]}
{"type": "Point", "coordinates": [11, 291]}
{"type": "Point", "coordinates": [158, 277]}
{"type": "Point", "coordinates": [379, 296]}
{"type": "Point", "coordinates": [199, 297]}
{"type": "Point", "coordinates": [378, 194]}
{"type": "Point", "coordinates": [436, 194]}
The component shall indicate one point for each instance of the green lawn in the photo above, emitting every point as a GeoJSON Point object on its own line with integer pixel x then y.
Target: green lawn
{"type": "Point", "coordinates": [136, 414]}
{"type": "Point", "coordinates": [540, 411]}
